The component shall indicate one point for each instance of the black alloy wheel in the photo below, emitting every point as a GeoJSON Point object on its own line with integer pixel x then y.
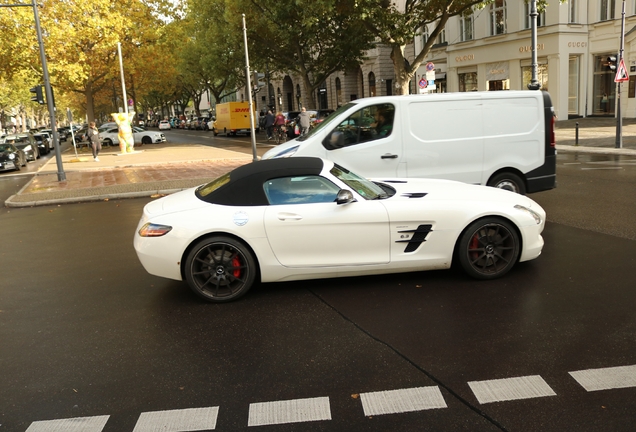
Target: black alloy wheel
{"type": "Point", "coordinates": [220, 269]}
{"type": "Point", "coordinates": [146, 140]}
{"type": "Point", "coordinates": [489, 248]}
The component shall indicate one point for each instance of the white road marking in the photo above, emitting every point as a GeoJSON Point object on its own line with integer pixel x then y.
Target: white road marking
{"type": "Point", "coordinates": [510, 389]}
{"type": "Point", "coordinates": [602, 168]}
{"type": "Point", "coordinates": [403, 400]}
{"type": "Point", "coordinates": [289, 411]}
{"type": "Point", "coordinates": [77, 424]}
{"type": "Point", "coordinates": [183, 420]}
{"type": "Point", "coordinates": [606, 378]}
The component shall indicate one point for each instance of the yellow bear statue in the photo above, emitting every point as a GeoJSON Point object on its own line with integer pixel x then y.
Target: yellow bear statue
{"type": "Point", "coordinates": [125, 135]}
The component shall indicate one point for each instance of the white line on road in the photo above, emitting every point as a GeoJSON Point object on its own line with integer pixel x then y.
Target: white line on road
{"type": "Point", "coordinates": [403, 400]}
{"type": "Point", "coordinates": [182, 420]}
{"type": "Point", "coordinates": [606, 378]}
{"type": "Point", "coordinates": [602, 168]}
{"type": "Point", "coordinates": [510, 389]}
{"type": "Point", "coordinates": [77, 424]}
{"type": "Point", "coordinates": [289, 411]}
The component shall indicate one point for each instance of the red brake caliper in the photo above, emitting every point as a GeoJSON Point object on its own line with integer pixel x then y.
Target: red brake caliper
{"type": "Point", "coordinates": [236, 263]}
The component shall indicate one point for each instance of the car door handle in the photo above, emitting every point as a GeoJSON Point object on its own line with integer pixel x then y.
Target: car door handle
{"type": "Point", "coordinates": [289, 216]}
{"type": "Point", "coordinates": [389, 156]}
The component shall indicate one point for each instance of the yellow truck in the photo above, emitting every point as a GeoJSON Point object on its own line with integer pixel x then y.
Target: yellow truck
{"type": "Point", "coordinates": [233, 118]}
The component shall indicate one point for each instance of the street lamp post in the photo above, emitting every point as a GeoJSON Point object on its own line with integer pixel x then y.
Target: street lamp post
{"type": "Point", "coordinates": [534, 82]}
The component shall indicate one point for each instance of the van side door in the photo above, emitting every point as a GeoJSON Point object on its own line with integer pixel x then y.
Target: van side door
{"type": "Point", "coordinates": [443, 138]}
{"type": "Point", "coordinates": [368, 141]}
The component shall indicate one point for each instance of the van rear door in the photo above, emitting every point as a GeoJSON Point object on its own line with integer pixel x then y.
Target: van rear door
{"type": "Point", "coordinates": [443, 138]}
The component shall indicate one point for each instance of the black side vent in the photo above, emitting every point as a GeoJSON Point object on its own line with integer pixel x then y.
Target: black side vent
{"type": "Point", "coordinates": [418, 237]}
{"type": "Point", "coordinates": [415, 195]}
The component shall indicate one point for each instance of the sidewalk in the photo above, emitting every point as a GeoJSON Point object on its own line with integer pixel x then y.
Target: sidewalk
{"type": "Point", "coordinates": [157, 169]}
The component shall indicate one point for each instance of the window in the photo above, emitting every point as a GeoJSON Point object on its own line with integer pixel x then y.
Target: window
{"type": "Point", "coordinates": [371, 84]}
{"type": "Point", "coordinates": [467, 82]}
{"type": "Point", "coordinates": [498, 17]}
{"type": "Point", "coordinates": [572, 12]}
{"type": "Point", "coordinates": [466, 27]}
{"type": "Point", "coordinates": [300, 190]}
{"type": "Point", "coordinates": [424, 35]}
{"type": "Point", "coordinates": [368, 124]}
{"type": "Point", "coordinates": [528, 18]}
{"type": "Point", "coordinates": [542, 76]}
{"type": "Point", "coordinates": [607, 9]}
{"type": "Point", "coordinates": [441, 37]}
{"type": "Point", "coordinates": [338, 92]}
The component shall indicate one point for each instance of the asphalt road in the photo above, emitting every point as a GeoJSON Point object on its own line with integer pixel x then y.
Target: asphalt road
{"type": "Point", "coordinates": [86, 333]}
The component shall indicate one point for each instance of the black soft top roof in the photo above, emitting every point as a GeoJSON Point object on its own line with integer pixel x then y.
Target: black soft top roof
{"type": "Point", "coordinates": [245, 187]}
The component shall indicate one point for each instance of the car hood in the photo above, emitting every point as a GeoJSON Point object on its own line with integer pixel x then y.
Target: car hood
{"type": "Point", "coordinates": [177, 202]}
{"type": "Point", "coordinates": [446, 190]}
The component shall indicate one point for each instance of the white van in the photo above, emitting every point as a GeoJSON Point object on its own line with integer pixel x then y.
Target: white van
{"type": "Point", "coordinates": [503, 139]}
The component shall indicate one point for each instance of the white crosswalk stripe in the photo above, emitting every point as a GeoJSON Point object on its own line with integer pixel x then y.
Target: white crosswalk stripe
{"type": "Point", "coordinates": [77, 424]}
{"type": "Point", "coordinates": [606, 378]}
{"type": "Point", "coordinates": [183, 420]}
{"type": "Point", "coordinates": [289, 411]}
{"type": "Point", "coordinates": [403, 400]}
{"type": "Point", "coordinates": [506, 389]}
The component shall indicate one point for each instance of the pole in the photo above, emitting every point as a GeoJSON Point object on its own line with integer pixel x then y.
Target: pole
{"type": "Point", "coordinates": [61, 175]}
{"type": "Point", "coordinates": [249, 92]}
{"type": "Point", "coordinates": [619, 117]}
{"type": "Point", "coordinates": [123, 82]}
{"type": "Point", "coordinates": [534, 83]}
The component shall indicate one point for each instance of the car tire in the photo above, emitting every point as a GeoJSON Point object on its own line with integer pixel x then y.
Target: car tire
{"type": "Point", "coordinates": [508, 181]}
{"type": "Point", "coordinates": [220, 269]}
{"type": "Point", "coordinates": [108, 142]}
{"type": "Point", "coordinates": [488, 248]}
{"type": "Point", "coordinates": [146, 140]}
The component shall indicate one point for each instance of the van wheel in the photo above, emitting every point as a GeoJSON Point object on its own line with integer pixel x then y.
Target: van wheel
{"type": "Point", "coordinates": [508, 181]}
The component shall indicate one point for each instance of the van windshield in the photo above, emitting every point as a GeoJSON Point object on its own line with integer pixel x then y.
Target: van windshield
{"type": "Point", "coordinates": [330, 118]}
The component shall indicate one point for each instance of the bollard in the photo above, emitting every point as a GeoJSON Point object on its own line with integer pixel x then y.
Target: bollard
{"type": "Point", "coordinates": [576, 136]}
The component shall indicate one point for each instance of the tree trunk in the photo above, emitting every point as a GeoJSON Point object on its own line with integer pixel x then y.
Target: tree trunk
{"type": "Point", "coordinates": [402, 75]}
{"type": "Point", "coordinates": [90, 111]}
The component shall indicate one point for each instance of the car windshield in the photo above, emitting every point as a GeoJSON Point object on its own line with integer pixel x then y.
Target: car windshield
{"type": "Point", "coordinates": [364, 187]}
{"type": "Point", "coordinates": [327, 121]}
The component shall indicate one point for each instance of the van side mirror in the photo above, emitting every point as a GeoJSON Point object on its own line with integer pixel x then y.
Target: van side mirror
{"type": "Point", "coordinates": [334, 140]}
{"type": "Point", "coordinates": [344, 197]}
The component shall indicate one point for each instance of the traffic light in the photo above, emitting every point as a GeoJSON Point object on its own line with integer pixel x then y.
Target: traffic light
{"type": "Point", "coordinates": [38, 96]}
{"type": "Point", "coordinates": [611, 63]}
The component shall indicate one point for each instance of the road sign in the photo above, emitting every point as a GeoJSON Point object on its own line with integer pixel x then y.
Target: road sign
{"type": "Point", "coordinates": [422, 83]}
{"type": "Point", "coordinates": [621, 72]}
{"type": "Point", "coordinates": [430, 66]}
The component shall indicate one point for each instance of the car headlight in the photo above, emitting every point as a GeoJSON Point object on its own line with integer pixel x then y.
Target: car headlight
{"type": "Point", "coordinates": [154, 230]}
{"type": "Point", "coordinates": [534, 214]}
{"type": "Point", "coordinates": [11, 156]}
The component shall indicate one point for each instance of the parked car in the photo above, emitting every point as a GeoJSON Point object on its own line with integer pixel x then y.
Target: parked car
{"type": "Point", "coordinates": [110, 136]}
{"type": "Point", "coordinates": [245, 226]}
{"type": "Point", "coordinates": [164, 125]}
{"type": "Point", "coordinates": [26, 143]}
{"type": "Point", "coordinates": [11, 157]}
{"type": "Point", "coordinates": [49, 137]}
{"type": "Point", "coordinates": [81, 138]}
{"type": "Point", "coordinates": [43, 143]}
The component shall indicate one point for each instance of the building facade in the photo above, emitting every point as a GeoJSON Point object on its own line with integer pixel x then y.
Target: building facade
{"type": "Point", "coordinates": [490, 49]}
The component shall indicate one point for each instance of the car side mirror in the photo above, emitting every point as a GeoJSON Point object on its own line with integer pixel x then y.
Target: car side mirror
{"type": "Point", "coordinates": [344, 197]}
{"type": "Point", "coordinates": [334, 140]}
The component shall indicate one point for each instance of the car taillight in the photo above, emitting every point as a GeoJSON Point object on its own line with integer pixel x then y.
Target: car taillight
{"type": "Point", "coordinates": [552, 135]}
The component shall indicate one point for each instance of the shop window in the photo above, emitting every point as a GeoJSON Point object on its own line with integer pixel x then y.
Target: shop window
{"type": "Point", "coordinates": [494, 85]}
{"type": "Point", "coordinates": [542, 76]}
{"type": "Point", "coordinates": [467, 81]}
{"type": "Point", "coordinates": [498, 17]}
{"type": "Point", "coordinates": [338, 92]}
{"type": "Point", "coordinates": [573, 86]}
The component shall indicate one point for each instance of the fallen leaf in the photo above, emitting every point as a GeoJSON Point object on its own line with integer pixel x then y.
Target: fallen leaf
{"type": "Point", "coordinates": [355, 396]}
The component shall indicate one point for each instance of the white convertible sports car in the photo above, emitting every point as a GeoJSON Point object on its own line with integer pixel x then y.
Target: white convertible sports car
{"type": "Point", "coordinates": [110, 136]}
{"type": "Point", "coordinates": [305, 218]}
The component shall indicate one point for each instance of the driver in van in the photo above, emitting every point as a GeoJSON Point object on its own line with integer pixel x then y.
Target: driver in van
{"type": "Point", "coordinates": [383, 122]}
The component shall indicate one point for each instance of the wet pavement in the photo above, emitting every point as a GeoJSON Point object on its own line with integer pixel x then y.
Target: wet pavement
{"type": "Point", "coordinates": [170, 167]}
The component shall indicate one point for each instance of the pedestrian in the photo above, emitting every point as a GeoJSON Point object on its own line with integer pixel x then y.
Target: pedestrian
{"type": "Point", "coordinates": [304, 121]}
{"type": "Point", "coordinates": [95, 140]}
{"type": "Point", "coordinates": [269, 124]}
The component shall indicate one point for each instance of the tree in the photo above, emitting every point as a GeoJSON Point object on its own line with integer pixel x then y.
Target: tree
{"type": "Point", "coordinates": [396, 24]}
{"type": "Point", "coordinates": [313, 39]}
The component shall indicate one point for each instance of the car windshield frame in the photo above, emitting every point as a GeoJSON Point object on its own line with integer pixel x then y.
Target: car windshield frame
{"type": "Point", "coordinates": [363, 187]}
{"type": "Point", "coordinates": [328, 120]}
